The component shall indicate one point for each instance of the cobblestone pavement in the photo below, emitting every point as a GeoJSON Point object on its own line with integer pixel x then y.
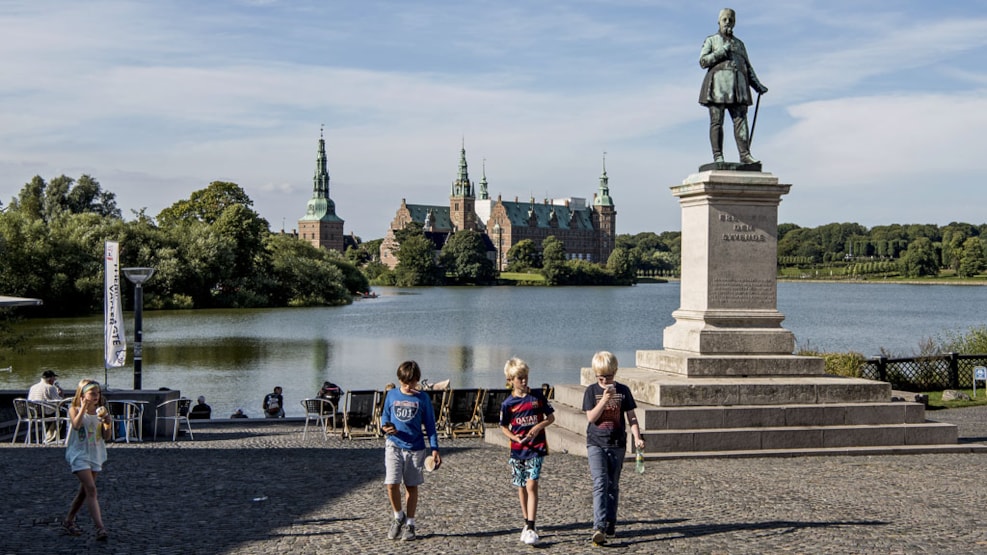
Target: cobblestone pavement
{"type": "Point", "coordinates": [257, 487]}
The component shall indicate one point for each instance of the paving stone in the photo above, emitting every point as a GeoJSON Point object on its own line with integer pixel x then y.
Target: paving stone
{"type": "Point", "coordinates": [255, 488]}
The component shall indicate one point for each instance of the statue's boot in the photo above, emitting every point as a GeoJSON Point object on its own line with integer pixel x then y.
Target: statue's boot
{"type": "Point", "coordinates": [743, 145]}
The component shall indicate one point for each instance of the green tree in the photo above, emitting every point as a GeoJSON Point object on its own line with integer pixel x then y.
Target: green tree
{"type": "Point", "coordinates": [416, 263]}
{"type": "Point", "coordinates": [919, 259]}
{"type": "Point", "coordinates": [622, 267]}
{"type": "Point", "coordinates": [553, 261]}
{"type": "Point", "coordinates": [972, 260]}
{"type": "Point", "coordinates": [304, 275]}
{"type": "Point", "coordinates": [464, 257]}
{"type": "Point", "coordinates": [205, 205]}
{"type": "Point", "coordinates": [522, 256]}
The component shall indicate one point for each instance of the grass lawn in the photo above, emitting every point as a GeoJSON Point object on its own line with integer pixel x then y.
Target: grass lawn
{"type": "Point", "coordinates": [936, 402]}
{"type": "Point", "coordinates": [522, 277]}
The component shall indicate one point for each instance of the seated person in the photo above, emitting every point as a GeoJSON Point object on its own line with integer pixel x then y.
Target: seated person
{"type": "Point", "coordinates": [332, 393]}
{"type": "Point", "coordinates": [201, 411]}
{"type": "Point", "coordinates": [273, 404]}
{"type": "Point", "coordinates": [238, 414]}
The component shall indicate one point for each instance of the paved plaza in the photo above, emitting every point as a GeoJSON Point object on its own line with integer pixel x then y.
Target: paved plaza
{"type": "Point", "coordinates": [256, 487]}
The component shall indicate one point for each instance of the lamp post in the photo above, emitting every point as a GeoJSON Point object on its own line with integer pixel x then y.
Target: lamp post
{"type": "Point", "coordinates": [500, 243]}
{"type": "Point", "coordinates": [138, 276]}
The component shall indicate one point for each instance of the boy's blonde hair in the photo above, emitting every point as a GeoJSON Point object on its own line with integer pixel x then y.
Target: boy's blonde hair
{"type": "Point", "coordinates": [515, 368]}
{"type": "Point", "coordinates": [604, 362]}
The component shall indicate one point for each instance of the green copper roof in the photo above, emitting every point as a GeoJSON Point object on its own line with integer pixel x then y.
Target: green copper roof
{"type": "Point", "coordinates": [440, 215]}
{"type": "Point", "coordinates": [567, 218]}
{"type": "Point", "coordinates": [603, 197]}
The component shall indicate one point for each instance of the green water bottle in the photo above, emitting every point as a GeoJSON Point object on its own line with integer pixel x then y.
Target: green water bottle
{"type": "Point", "coordinates": [639, 462]}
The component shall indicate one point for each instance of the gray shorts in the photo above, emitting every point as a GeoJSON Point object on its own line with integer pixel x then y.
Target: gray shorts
{"type": "Point", "coordinates": [403, 466]}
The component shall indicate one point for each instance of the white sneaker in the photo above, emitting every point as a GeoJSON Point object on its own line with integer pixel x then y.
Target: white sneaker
{"type": "Point", "coordinates": [524, 534]}
{"type": "Point", "coordinates": [529, 536]}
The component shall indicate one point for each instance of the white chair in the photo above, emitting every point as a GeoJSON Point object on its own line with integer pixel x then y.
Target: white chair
{"type": "Point", "coordinates": [322, 412]}
{"type": "Point", "coordinates": [32, 414]}
{"type": "Point", "coordinates": [175, 410]}
{"type": "Point", "coordinates": [130, 416]}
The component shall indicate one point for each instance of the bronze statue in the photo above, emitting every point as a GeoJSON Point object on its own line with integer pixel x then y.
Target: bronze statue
{"type": "Point", "coordinates": [727, 84]}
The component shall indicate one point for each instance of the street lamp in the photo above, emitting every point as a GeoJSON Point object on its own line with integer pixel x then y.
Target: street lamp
{"type": "Point", "coordinates": [499, 231]}
{"type": "Point", "coordinates": [138, 276]}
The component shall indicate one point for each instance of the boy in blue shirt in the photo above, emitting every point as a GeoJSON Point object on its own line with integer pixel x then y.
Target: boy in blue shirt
{"type": "Point", "coordinates": [523, 419]}
{"type": "Point", "coordinates": [406, 409]}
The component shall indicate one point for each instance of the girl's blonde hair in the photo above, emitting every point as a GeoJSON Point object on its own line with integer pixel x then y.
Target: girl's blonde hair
{"type": "Point", "coordinates": [515, 368]}
{"type": "Point", "coordinates": [86, 384]}
{"type": "Point", "coordinates": [604, 362]}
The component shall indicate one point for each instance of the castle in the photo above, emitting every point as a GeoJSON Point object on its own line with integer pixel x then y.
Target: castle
{"type": "Point", "coordinates": [587, 231]}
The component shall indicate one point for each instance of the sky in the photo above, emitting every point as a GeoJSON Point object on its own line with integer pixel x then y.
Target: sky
{"type": "Point", "coordinates": [876, 110]}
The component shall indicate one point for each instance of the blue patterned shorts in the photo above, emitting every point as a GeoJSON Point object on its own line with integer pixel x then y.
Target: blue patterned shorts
{"type": "Point", "coordinates": [523, 470]}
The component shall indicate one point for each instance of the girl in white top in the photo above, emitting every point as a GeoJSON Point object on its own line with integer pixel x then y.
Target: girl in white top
{"type": "Point", "coordinates": [85, 451]}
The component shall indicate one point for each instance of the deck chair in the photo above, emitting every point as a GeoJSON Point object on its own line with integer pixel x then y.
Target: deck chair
{"type": "Point", "coordinates": [361, 415]}
{"type": "Point", "coordinates": [322, 412]}
{"type": "Point", "coordinates": [463, 416]}
{"type": "Point", "coordinates": [439, 407]}
{"type": "Point", "coordinates": [492, 401]}
{"type": "Point", "coordinates": [176, 411]}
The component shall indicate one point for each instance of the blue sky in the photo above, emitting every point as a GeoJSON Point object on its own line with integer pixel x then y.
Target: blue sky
{"type": "Point", "coordinates": [876, 113]}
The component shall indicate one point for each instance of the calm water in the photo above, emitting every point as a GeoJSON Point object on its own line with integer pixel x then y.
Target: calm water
{"type": "Point", "coordinates": [234, 357]}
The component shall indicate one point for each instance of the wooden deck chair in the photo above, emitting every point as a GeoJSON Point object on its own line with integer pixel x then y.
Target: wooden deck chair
{"type": "Point", "coordinates": [439, 408]}
{"type": "Point", "coordinates": [491, 405]}
{"type": "Point", "coordinates": [463, 416]}
{"type": "Point", "coordinates": [361, 415]}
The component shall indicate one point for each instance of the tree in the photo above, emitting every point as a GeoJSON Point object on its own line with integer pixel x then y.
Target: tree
{"type": "Point", "coordinates": [522, 256]}
{"type": "Point", "coordinates": [622, 266]}
{"type": "Point", "coordinates": [553, 261]}
{"type": "Point", "coordinates": [919, 259]}
{"type": "Point", "coordinates": [972, 261]}
{"type": "Point", "coordinates": [464, 256]}
{"type": "Point", "coordinates": [205, 205]}
{"type": "Point", "coordinates": [416, 263]}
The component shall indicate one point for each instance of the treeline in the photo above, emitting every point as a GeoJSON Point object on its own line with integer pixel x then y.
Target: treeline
{"type": "Point", "coordinates": [911, 250]}
{"type": "Point", "coordinates": [464, 259]}
{"type": "Point", "coordinates": [210, 250]}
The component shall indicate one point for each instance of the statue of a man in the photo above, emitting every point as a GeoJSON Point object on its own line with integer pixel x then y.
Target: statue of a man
{"type": "Point", "coordinates": [727, 84]}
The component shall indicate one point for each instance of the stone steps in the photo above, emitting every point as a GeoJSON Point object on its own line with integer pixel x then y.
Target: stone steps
{"type": "Point", "coordinates": [796, 429]}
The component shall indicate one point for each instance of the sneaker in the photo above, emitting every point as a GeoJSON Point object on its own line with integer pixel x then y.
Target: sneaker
{"type": "Point", "coordinates": [524, 534]}
{"type": "Point", "coordinates": [610, 530]}
{"type": "Point", "coordinates": [395, 529]}
{"type": "Point", "coordinates": [599, 537]}
{"type": "Point", "coordinates": [409, 533]}
{"type": "Point", "coordinates": [529, 536]}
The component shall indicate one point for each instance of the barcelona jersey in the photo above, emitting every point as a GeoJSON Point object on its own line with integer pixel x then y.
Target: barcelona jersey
{"type": "Point", "coordinates": [520, 414]}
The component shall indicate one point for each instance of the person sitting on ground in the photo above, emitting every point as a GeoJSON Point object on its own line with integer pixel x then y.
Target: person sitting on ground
{"type": "Point", "coordinates": [201, 411]}
{"type": "Point", "coordinates": [47, 391]}
{"type": "Point", "coordinates": [274, 404]}
{"type": "Point", "coordinates": [238, 414]}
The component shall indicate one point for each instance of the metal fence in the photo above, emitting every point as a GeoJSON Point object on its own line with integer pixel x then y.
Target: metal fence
{"type": "Point", "coordinates": [929, 373]}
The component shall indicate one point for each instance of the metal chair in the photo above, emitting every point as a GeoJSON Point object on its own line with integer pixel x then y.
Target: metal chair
{"type": "Point", "coordinates": [175, 410]}
{"type": "Point", "coordinates": [32, 414]}
{"type": "Point", "coordinates": [128, 415]}
{"type": "Point", "coordinates": [323, 413]}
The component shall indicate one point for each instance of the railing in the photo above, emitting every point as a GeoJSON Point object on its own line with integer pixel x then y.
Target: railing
{"type": "Point", "coordinates": [928, 373]}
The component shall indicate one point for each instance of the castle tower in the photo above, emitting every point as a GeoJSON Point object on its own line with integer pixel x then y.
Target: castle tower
{"type": "Point", "coordinates": [462, 212]}
{"type": "Point", "coordinates": [604, 217]}
{"type": "Point", "coordinates": [320, 225]}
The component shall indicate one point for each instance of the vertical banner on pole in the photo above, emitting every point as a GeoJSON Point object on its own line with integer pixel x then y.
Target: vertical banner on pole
{"type": "Point", "coordinates": [115, 341]}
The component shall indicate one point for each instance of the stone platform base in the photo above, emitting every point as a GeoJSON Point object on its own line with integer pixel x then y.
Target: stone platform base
{"type": "Point", "coordinates": [691, 364]}
{"type": "Point", "coordinates": [758, 417]}
{"type": "Point", "coordinates": [665, 389]}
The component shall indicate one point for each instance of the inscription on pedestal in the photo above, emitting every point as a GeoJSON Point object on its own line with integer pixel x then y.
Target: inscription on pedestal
{"type": "Point", "coordinates": [750, 292]}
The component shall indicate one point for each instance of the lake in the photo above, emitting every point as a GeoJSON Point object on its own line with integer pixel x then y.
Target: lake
{"type": "Point", "coordinates": [465, 334]}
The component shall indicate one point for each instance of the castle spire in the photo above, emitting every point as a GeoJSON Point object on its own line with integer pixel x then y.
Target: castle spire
{"type": "Point", "coordinates": [484, 195]}
{"type": "Point", "coordinates": [603, 197]}
{"type": "Point", "coordinates": [320, 182]}
{"type": "Point", "coordinates": [462, 187]}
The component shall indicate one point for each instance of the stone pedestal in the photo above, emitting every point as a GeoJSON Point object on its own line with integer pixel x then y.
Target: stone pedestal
{"type": "Point", "coordinates": [728, 323]}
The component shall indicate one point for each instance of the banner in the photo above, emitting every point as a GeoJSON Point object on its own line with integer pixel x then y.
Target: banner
{"type": "Point", "coordinates": [115, 342]}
